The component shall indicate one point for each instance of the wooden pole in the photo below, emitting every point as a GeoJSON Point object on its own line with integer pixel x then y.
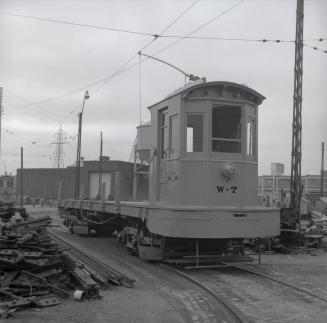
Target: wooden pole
{"type": "Point", "coordinates": [322, 169]}
{"type": "Point", "coordinates": [100, 166]}
{"type": "Point", "coordinates": [21, 178]}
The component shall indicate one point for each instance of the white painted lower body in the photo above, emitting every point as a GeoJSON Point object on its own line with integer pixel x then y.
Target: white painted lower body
{"type": "Point", "coordinates": [192, 221]}
{"type": "Point", "coordinates": [210, 223]}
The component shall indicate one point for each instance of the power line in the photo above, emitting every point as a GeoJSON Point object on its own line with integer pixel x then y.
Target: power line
{"type": "Point", "coordinates": [315, 48]}
{"type": "Point", "coordinates": [123, 68]}
{"type": "Point", "coordinates": [76, 24]}
{"type": "Point", "coordinates": [196, 29]}
{"type": "Point", "coordinates": [138, 32]}
{"type": "Point", "coordinates": [178, 18]}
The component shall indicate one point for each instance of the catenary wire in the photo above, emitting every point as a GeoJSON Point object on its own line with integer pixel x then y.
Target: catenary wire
{"type": "Point", "coordinates": [315, 48]}
{"type": "Point", "coordinates": [129, 60]}
{"type": "Point", "coordinates": [146, 46]}
{"type": "Point", "coordinates": [123, 68]}
{"type": "Point", "coordinates": [76, 24]}
{"type": "Point", "coordinates": [138, 32]}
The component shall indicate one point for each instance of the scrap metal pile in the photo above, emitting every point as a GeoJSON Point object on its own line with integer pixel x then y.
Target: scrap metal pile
{"type": "Point", "coordinates": [316, 233]}
{"type": "Point", "coordinates": [35, 271]}
{"type": "Point", "coordinates": [7, 210]}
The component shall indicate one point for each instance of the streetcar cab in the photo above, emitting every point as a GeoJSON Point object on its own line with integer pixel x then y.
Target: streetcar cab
{"type": "Point", "coordinates": [204, 146]}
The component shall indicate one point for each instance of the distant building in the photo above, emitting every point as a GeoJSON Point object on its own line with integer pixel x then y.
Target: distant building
{"type": "Point", "coordinates": [277, 169]}
{"type": "Point", "coordinates": [268, 184]}
{"type": "Point", "coordinates": [7, 187]}
{"type": "Point", "coordinates": [44, 182]}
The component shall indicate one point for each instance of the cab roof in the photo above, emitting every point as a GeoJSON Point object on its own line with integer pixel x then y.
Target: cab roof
{"type": "Point", "coordinates": [221, 86]}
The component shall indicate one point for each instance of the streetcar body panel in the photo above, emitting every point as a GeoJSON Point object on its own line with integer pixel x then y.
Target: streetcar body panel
{"type": "Point", "coordinates": [202, 157]}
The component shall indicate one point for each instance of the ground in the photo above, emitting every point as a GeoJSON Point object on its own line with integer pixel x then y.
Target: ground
{"type": "Point", "coordinates": [161, 297]}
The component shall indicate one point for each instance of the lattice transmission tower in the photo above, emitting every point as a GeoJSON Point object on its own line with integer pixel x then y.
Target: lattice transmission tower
{"type": "Point", "coordinates": [59, 142]}
{"type": "Point", "coordinates": [296, 184]}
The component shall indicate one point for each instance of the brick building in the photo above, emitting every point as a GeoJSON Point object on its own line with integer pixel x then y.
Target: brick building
{"type": "Point", "coordinates": [44, 182]}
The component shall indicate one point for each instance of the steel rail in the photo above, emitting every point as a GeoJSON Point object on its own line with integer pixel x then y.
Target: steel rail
{"type": "Point", "coordinates": [231, 310]}
{"type": "Point", "coordinates": [100, 270]}
{"type": "Point", "coordinates": [276, 280]}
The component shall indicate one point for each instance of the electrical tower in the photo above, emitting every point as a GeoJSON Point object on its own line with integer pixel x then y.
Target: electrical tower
{"type": "Point", "coordinates": [296, 185]}
{"type": "Point", "coordinates": [60, 141]}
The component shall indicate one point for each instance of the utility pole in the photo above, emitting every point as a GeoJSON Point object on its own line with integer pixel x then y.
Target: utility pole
{"type": "Point", "coordinates": [322, 169]}
{"type": "Point", "coordinates": [79, 141]}
{"type": "Point", "coordinates": [1, 113]}
{"type": "Point", "coordinates": [60, 141]}
{"type": "Point", "coordinates": [21, 178]}
{"type": "Point", "coordinates": [100, 166]}
{"type": "Point", "coordinates": [296, 185]}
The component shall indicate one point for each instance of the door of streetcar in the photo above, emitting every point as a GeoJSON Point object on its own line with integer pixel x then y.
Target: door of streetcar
{"type": "Point", "coordinates": [163, 144]}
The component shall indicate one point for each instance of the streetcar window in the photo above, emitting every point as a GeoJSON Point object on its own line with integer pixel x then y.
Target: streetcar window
{"type": "Point", "coordinates": [227, 129]}
{"type": "Point", "coordinates": [250, 134]}
{"type": "Point", "coordinates": [194, 133]}
{"type": "Point", "coordinates": [173, 136]}
{"type": "Point", "coordinates": [163, 133]}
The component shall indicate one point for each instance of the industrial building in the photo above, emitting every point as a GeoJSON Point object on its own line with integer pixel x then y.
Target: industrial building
{"type": "Point", "coordinates": [44, 182]}
{"type": "Point", "coordinates": [269, 183]}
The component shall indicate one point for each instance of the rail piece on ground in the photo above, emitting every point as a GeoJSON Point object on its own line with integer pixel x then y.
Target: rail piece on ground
{"type": "Point", "coordinates": [100, 271]}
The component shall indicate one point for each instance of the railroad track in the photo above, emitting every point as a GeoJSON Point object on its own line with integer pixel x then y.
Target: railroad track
{"type": "Point", "coordinates": [100, 270]}
{"type": "Point", "coordinates": [224, 299]}
{"type": "Point", "coordinates": [232, 311]}
{"type": "Point", "coordinates": [255, 272]}
{"type": "Point", "coordinates": [104, 270]}
{"type": "Point", "coordinates": [262, 299]}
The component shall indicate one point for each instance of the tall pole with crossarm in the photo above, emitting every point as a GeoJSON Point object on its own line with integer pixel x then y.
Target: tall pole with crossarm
{"type": "Point", "coordinates": [296, 185]}
{"type": "Point", "coordinates": [78, 157]}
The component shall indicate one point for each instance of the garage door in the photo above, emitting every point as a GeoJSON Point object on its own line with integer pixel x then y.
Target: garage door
{"type": "Point", "coordinates": [94, 184]}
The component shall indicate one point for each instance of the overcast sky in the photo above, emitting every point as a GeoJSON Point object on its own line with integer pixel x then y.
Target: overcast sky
{"type": "Point", "coordinates": [42, 60]}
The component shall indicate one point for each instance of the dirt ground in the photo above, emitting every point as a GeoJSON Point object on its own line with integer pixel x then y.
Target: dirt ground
{"type": "Point", "coordinates": [158, 296]}
{"type": "Point", "coordinates": [308, 271]}
{"type": "Point", "coordinates": [139, 305]}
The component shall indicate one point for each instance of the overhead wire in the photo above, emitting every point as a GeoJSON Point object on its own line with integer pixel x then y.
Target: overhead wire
{"type": "Point", "coordinates": [138, 32]}
{"type": "Point", "coordinates": [124, 67]}
{"type": "Point", "coordinates": [143, 48]}
{"type": "Point", "coordinates": [104, 80]}
{"type": "Point", "coordinates": [159, 35]}
{"type": "Point", "coordinates": [155, 37]}
{"type": "Point", "coordinates": [315, 48]}
{"type": "Point", "coordinates": [107, 79]}
{"type": "Point", "coordinates": [178, 18]}
{"type": "Point", "coordinates": [76, 24]}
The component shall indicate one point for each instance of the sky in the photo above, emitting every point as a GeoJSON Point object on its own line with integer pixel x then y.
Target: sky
{"type": "Point", "coordinates": [45, 68]}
